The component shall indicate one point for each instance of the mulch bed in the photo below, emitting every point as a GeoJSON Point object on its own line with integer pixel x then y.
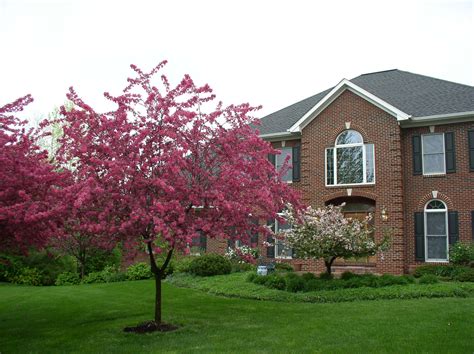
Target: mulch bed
{"type": "Point", "coordinates": [151, 326]}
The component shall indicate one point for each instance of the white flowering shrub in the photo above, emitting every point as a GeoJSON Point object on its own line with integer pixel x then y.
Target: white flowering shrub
{"type": "Point", "coordinates": [325, 233]}
{"type": "Point", "coordinates": [242, 254]}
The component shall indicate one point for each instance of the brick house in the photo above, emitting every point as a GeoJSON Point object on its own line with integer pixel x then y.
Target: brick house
{"type": "Point", "coordinates": [392, 143]}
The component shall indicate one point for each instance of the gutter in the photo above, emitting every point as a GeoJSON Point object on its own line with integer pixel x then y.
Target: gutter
{"type": "Point", "coordinates": [438, 119]}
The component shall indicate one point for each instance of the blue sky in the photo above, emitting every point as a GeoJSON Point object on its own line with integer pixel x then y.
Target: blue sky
{"type": "Point", "coordinates": [272, 53]}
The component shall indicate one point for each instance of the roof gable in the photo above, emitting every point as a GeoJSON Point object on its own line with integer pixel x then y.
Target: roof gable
{"type": "Point", "coordinates": [336, 92]}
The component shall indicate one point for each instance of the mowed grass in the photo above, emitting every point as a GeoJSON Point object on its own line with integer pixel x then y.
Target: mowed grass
{"type": "Point", "coordinates": [90, 319]}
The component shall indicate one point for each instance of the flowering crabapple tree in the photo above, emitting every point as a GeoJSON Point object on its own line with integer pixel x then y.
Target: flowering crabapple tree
{"type": "Point", "coordinates": [30, 187]}
{"type": "Point", "coordinates": [325, 233]}
{"type": "Point", "coordinates": [166, 163]}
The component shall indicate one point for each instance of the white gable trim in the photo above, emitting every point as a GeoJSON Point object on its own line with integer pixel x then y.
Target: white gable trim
{"type": "Point", "coordinates": [335, 92]}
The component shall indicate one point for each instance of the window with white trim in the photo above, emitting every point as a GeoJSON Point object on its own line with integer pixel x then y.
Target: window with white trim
{"type": "Point", "coordinates": [282, 250]}
{"type": "Point", "coordinates": [436, 231]}
{"type": "Point", "coordinates": [280, 160]}
{"type": "Point", "coordinates": [350, 161]}
{"type": "Point", "coordinates": [433, 153]}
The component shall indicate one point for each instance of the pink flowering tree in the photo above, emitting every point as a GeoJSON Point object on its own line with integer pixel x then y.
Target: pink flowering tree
{"type": "Point", "coordinates": [325, 233]}
{"type": "Point", "coordinates": [166, 163]}
{"type": "Point", "coordinates": [30, 187]}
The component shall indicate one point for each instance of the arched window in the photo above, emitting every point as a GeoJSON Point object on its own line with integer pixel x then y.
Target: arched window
{"type": "Point", "coordinates": [350, 161]}
{"type": "Point", "coordinates": [436, 231]}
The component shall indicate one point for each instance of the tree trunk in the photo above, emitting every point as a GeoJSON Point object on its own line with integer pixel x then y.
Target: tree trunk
{"type": "Point", "coordinates": [158, 298]}
{"type": "Point", "coordinates": [328, 264]}
{"type": "Point", "coordinates": [158, 273]}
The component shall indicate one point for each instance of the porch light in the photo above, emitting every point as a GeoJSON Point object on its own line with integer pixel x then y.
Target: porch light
{"type": "Point", "coordinates": [384, 214]}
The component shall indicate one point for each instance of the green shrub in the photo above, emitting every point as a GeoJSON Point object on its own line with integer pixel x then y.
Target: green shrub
{"type": "Point", "coordinates": [347, 275]}
{"type": "Point", "coordinates": [260, 279]}
{"type": "Point", "coordinates": [209, 265]}
{"type": "Point", "coordinates": [48, 264]}
{"type": "Point", "coordinates": [326, 276]}
{"type": "Point", "coordinates": [107, 275]}
{"type": "Point", "coordinates": [93, 278]}
{"type": "Point", "coordinates": [448, 271]}
{"type": "Point", "coordinates": [138, 271]}
{"type": "Point", "coordinates": [284, 267]}
{"type": "Point", "coordinates": [251, 277]}
{"type": "Point", "coordinates": [462, 253]}
{"type": "Point", "coordinates": [67, 278]}
{"type": "Point", "coordinates": [116, 277]}
{"type": "Point", "coordinates": [97, 259]}
{"type": "Point", "coordinates": [10, 266]}
{"type": "Point", "coordinates": [409, 278]}
{"type": "Point", "coordinates": [428, 279]}
{"type": "Point", "coordinates": [183, 264]}
{"type": "Point", "coordinates": [315, 284]}
{"type": "Point", "coordinates": [358, 281]}
{"type": "Point", "coordinates": [241, 267]}
{"type": "Point", "coordinates": [275, 281]}
{"type": "Point", "coordinates": [295, 284]}
{"type": "Point", "coordinates": [468, 275]}
{"type": "Point", "coordinates": [308, 276]}
{"type": "Point", "coordinates": [28, 276]}
{"type": "Point", "coordinates": [388, 279]}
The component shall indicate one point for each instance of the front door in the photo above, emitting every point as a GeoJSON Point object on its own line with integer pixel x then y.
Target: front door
{"type": "Point", "coordinates": [357, 209]}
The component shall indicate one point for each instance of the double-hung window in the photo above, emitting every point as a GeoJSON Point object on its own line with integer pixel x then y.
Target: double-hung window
{"type": "Point", "coordinates": [286, 152]}
{"type": "Point", "coordinates": [282, 250]}
{"type": "Point", "coordinates": [293, 154]}
{"type": "Point", "coordinates": [433, 154]}
{"type": "Point", "coordinates": [350, 161]}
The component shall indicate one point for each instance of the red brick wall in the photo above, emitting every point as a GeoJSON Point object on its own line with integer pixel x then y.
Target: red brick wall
{"type": "Point", "coordinates": [379, 128]}
{"type": "Point", "coordinates": [455, 189]}
{"type": "Point", "coordinates": [395, 187]}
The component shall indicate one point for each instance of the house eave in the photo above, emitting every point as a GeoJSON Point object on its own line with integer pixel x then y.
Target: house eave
{"type": "Point", "coordinates": [438, 119]}
{"type": "Point", "coordinates": [280, 136]}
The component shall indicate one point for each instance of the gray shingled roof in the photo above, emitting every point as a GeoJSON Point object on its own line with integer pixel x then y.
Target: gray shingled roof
{"type": "Point", "coordinates": [414, 94]}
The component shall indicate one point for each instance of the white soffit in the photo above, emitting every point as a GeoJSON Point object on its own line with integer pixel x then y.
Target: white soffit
{"type": "Point", "coordinates": [335, 92]}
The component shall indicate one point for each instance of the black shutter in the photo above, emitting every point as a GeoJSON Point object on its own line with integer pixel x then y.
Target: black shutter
{"type": "Point", "coordinates": [270, 249]}
{"type": "Point", "coordinates": [450, 150]}
{"type": "Point", "coordinates": [453, 227]}
{"type": "Point", "coordinates": [419, 237]}
{"type": "Point", "coordinates": [417, 164]}
{"type": "Point", "coordinates": [254, 239]}
{"type": "Point", "coordinates": [472, 224]}
{"type": "Point", "coordinates": [296, 161]}
{"type": "Point", "coordinates": [470, 138]}
{"type": "Point", "coordinates": [203, 241]}
{"type": "Point", "coordinates": [272, 159]}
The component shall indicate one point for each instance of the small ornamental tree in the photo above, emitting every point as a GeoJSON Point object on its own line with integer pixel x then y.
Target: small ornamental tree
{"type": "Point", "coordinates": [325, 233]}
{"type": "Point", "coordinates": [30, 188]}
{"type": "Point", "coordinates": [166, 164]}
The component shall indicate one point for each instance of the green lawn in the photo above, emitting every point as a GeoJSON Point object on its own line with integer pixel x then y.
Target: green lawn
{"type": "Point", "coordinates": [90, 318]}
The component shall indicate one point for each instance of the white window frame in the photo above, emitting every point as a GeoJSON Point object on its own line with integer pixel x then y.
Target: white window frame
{"type": "Point", "coordinates": [364, 163]}
{"type": "Point", "coordinates": [428, 211]}
{"type": "Point", "coordinates": [276, 161]}
{"type": "Point", "coordinates": [276, 246]}
{"type": "Point", "coordinates": [423, 156]}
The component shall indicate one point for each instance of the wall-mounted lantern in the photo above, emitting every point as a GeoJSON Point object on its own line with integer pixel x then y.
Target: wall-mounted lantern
{"type": "Point", "coordinates": [384, 214]}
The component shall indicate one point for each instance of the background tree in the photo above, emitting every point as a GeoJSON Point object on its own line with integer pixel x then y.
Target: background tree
{"type": "Point", "coordinates": [29, 185]}
{"type": "Point", "coordinates": [325, 233]}
{"type": "Point", "coordinates": [165, 164]}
